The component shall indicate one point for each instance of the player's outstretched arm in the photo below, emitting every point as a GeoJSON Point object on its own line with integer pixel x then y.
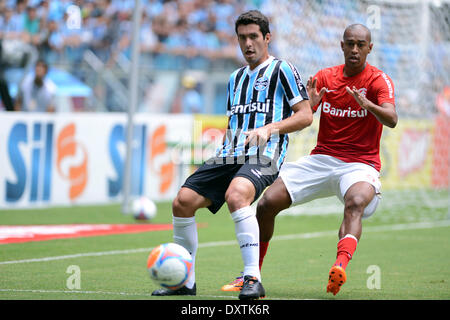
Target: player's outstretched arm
{"type": "Point", "coordinates": [301, 119]}
{"type": "Point", "coordinates": [385, 113]}
{"type": "Point", "coordinates": [314, 96]}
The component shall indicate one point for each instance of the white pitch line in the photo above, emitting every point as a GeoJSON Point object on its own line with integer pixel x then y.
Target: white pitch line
{"type": "Point", "coordinates": [108, 253]}
{"type": "Point", "coordinates": [382, 228]}
{"type": "Point", "coordinates": [310, 235]}
{"type": "Point", "coordinates": [123, 293]}
{"type": "Point", "coordinates": [98, 292]}
{"type": "Point", "coordinates": [75, 291]}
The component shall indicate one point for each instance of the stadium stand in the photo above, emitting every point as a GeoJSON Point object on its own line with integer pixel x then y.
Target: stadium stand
{"type": "Point", "coordinates": [91, 40]}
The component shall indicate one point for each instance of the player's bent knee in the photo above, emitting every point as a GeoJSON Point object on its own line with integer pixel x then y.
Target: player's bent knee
{"type": "Point", "coordinates": [272, 204]}
{"type": "Point", "coordinates": [354, 206]}
{"type": "Point", "coordinates": [239, 194]}
{"type": "Point", "coordinates": [179, 207]}
{"type": "Point", "coordinates": [185, 204]}
{"type": "Point", "coordinates": [236, 199]}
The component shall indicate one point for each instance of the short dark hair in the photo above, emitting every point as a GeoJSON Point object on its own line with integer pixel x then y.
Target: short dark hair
{"type": "Point", "coordinates": [43, 63]}
{"type": "Point", "coordinates": [253, 17]}
{"type": "Point", "coordinates": [358, 26]}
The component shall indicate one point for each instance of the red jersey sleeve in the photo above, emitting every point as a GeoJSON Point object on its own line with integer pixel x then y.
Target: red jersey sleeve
{"type": "Point", "coordinates": [384, 89]}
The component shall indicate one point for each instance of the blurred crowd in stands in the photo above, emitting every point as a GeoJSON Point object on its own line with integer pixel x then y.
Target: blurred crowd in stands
{"type": "Point", "coordinates": [174, 35]}
{"type": "Point", "coordinates": [60, 31]}
{"type": "Point", "coordinates": [87, 37]}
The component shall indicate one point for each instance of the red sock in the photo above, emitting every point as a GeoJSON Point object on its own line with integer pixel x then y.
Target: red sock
{"type": "Point", "coordinates": [345, 249]}
{"type": "Point", "coordinates": [262, 252]}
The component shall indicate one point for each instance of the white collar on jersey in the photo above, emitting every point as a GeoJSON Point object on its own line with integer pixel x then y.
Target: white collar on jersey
{"type": "Point", "coordinates": [262, 65]}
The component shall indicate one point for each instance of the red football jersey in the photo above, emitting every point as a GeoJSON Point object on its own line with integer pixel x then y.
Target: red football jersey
{"type": "Point", "coordinates": [347, 131]}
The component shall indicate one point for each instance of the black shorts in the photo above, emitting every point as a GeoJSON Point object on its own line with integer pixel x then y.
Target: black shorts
{"type": "Point", "coordinates": [212, 179]}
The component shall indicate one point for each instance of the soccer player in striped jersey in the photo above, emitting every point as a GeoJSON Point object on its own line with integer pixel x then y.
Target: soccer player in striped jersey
{"type": "Point", "coordinates": [356, 100]}
{"type": "Point", "coordinates": [266, 100]}
{"type": "Point", "coordinates": [257, 98]}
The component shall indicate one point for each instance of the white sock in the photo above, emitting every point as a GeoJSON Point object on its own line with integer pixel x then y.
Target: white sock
{"type": "Point", "coordinates": [185, 234]}
{"type": "Point", "coordinates": [247, 234]}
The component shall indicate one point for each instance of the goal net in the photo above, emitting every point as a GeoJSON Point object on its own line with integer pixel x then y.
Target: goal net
{"type": "Point", "coordinates": [412, 45]}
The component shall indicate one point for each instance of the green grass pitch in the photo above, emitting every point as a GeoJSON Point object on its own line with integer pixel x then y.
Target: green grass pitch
{"type": "Point", "coordinates": [403, 254]}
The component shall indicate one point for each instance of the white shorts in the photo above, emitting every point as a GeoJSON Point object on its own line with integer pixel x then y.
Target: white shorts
{"type": "Point", "coordinates": [319, 176]}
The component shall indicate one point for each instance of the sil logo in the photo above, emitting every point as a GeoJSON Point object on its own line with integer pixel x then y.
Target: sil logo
{"type": "Point", "coordinates": [72, 160]}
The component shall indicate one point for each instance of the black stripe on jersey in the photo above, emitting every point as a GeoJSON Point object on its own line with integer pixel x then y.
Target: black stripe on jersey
{"type": "Point", "coordinates": [273, 83]}
{"type": "Point", "coordinates": [229, 98]}
{"type": "Point", "coordinates": [283, 137]}
{"type": "Point", "coordinates": [289, 94]}
{"type": "Point", "coordinates": [252, 119]}
{"type": "Point", "coordinates": [240, 116]}
{"type": "Point", "coordinates": [298, 80]}
{"type": "Point", "coordinates": [252, 122]}
{"type": "Point", "coordinates": [287, 111]}
{"type": "Point", "coordinates": [286, 86]}
{"type": "Point", "coordinates": [272, 87]}
{"type": "Point", "coordinates": [244, 87]}
{"type": "Point", "coordinates": [231, 93]}
{"type": "Point", "coordinates": [237, 79]}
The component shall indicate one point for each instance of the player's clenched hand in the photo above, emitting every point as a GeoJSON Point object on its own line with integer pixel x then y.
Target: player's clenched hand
{"type": "Point", "coordinates": [314, 96]}
{"type": "Point", "coordinates": [258, 136]}
{"type": "Point", "coordinates": [361, 99]}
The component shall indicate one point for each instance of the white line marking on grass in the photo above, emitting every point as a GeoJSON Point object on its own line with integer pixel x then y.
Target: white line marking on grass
{"type": "Point", "coordinates": [108, 253]}
{"type": "Point", "coordinates": [75, 291]}
{"type": "Point", "coordinates": [382, 228]}
{"type": "Point", "coordinates": [78, 255]}
{"type": "Point", "coordinates": [125, 293]}
{"type": "Point", "coordinates": [310, 235]}
{"type": "Point", "coordinates": [99, 292]}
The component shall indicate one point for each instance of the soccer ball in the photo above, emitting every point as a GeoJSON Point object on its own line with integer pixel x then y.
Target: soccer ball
{"type": "Point", "coordinates": [169, 265]}
{"type": "Point", "coordinates": [144, 208]}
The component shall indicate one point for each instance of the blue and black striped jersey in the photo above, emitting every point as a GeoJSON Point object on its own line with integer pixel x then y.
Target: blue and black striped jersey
{"type": "Point", "coordinates": [256, 98]}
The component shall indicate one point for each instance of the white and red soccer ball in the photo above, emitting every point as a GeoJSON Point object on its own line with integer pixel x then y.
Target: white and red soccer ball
{"type": "Point", "coordinates": [143, 208]}
{"type": "Point", "coordinates": [169, 265]}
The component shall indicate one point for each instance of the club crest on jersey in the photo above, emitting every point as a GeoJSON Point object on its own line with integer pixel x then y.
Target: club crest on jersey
{"type": "Point", "coordinates": [362, 91]}
{"type": "Point", "coordinates": [261, 83]}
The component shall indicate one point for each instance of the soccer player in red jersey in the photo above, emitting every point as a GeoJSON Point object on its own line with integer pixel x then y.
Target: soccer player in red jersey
{"type": "Point", "coordinates": [356, 101]}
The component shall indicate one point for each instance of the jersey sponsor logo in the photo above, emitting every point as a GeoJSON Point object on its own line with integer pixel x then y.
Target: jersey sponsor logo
{"type": "Point", "coordinates": [342, 113]}
{"type": "Point", "coordinates": [263, 107]}
{"type": "Point", "coordinates": [261, 83]}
